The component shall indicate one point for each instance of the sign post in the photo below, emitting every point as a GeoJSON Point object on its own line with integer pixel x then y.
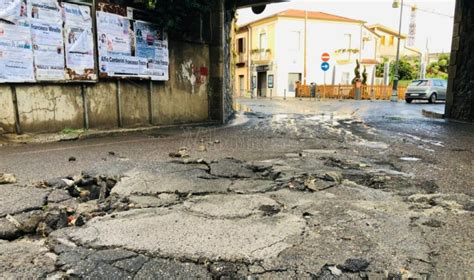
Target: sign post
{"type": "Point", "coordinates": [325, 67]}
{"type": "Point", "coordinates": [325, 57]}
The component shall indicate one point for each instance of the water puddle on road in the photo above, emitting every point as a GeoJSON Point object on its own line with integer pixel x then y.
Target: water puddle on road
{"type": "Point", "coordinates": [372, 144]}
{"type": "Point", "coordinates": [426, 141]}
{"type": "Point", "coordinates": [410, 159]}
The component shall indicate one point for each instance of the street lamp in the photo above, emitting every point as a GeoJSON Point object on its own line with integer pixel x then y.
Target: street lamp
{"type": "Point", "coordinates": [396, 4]}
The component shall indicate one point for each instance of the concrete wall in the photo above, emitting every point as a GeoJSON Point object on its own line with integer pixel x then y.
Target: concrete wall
{"type": "Point", "coordinates": [460, 97]}
{"type": "Point", "coordinates": [7, 119]}
{"type": "Point", "coordinates": [53, 107]}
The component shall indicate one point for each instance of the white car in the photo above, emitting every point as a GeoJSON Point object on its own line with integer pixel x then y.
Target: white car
{"type": "Point", "coordinates": [428, 89]}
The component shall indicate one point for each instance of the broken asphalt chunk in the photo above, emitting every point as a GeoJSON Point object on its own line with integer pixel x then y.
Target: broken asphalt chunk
{"type": "Point", "coordinates": [6, 178]}
{"type": "Point", "coordinates": [354, 265]}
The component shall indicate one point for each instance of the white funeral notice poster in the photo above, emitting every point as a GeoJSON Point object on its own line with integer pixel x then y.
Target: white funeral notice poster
{"type": "Point", "coordinates": [115, 48]}
{"type": "Point", "coordinates": [48, 50]}
{"type": "Point", "coordinates": [16, 55]}
{"type": "Point", "coordinates": [13, 10]}
{"type": "Point", "coordinates": [79, 42]}
{"type": "Point", "coordinates": [45, 10]}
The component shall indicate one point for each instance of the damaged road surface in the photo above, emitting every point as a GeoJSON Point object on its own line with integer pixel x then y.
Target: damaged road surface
{"type": "Point", "coordinates": [283, 196]}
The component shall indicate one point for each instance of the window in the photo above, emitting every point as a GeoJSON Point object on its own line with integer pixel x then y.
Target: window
{"type": "Point", "coordinates": [294, 41]}
{"type": "Point", "coordinates": [263, 41]}
{"type": "Point", "coordinates": [345, 78]}
{"type": "Point", "coordinates": [392, 40]}
{"type": "Point", "coordinates": [241, 45]}
{"type": "Point", "coordinates": [382, 40]}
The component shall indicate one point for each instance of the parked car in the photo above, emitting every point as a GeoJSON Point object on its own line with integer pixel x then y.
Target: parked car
{"type": "Point", "coordinates": [427, 89]}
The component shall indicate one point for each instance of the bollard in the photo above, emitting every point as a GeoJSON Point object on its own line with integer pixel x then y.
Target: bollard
{"type": "Point", "coordinates": [271, 94]}
{"type": "Point", "coordinates": [284, 95]}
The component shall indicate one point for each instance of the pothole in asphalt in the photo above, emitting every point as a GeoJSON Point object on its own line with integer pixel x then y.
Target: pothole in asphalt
{"type": "Point", "coordinates": [55, 204]}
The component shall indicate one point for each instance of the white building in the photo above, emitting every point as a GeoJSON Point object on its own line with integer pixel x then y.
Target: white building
{"type": "Point", "coordinates": [278, 45]}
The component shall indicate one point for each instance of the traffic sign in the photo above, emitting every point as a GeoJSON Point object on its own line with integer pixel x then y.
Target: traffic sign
{"type": "Point", "coordinates": [325, 66]}
{"type": "Point", "coordinates": [325, 57]}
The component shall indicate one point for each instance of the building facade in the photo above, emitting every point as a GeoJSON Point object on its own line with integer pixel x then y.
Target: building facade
{"type": "Point", "coordinates": [287, 47]}
{"type": "Point", "coordinates": [387, 48]}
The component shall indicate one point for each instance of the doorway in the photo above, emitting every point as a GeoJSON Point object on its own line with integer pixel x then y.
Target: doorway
{"type": "Point", "coordinates": [292, 79]}
{"type": "Point", "coordinates": [262, 84]}
{"type": "Point", "coordinates": [241, 85]}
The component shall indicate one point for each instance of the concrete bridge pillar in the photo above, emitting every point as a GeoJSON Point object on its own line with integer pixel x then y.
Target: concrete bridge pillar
{"type": "Point", "coordinates": [460, 98]}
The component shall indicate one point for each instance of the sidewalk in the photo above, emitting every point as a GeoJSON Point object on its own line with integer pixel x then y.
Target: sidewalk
{"type": "Point", "coordinates": [80, 134]}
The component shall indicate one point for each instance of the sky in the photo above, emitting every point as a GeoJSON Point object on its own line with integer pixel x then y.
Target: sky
{"type": "Point", "coordinates": [431, 27]}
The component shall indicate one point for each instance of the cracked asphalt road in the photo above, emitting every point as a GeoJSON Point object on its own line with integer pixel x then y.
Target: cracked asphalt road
{"type": "Point", "coordinates": [290, 190]}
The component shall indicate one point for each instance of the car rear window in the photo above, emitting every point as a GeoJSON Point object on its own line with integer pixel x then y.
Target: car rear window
{"type": "Point", "coordinates": [420, 83]}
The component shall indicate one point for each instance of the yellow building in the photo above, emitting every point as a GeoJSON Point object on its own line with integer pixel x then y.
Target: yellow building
{"type": "Point", "coordinates": [388, 43]}
{"type": "Point", "coordinates": [242, 59]}
{"type": "Point", "coordinates": [254, 51]}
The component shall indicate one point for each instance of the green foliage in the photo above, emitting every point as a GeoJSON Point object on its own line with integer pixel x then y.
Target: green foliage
{"type": "Point", "coordinates": [354, 51]}
{"type": "Point", "coordinates": [356, 72]}
{"type": "Point", "coordinates": [439, 69]}
{"type": "Point", "coordinates": [364, 76]}
{"type": "Point", "coordinates": [380, 67]}
{"type": "Point", "coordinates": [180, 16]}
{"type": "Point", "coordinates": [67, 131]}
{"type": "Point", "coordinates": [407, 69]}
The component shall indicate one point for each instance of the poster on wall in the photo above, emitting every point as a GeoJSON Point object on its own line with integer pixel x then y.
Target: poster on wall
{"type": "Point", "coordinates": [45, 10]}
{"type": "Point", "coordinates": [48, 50]}
{"type": "Point", "coordinates": [152, 45]}
{"type": "Point", "coordinates": [16, 55]}
{"type": "Point", "coordinates": [13, 10]}
{"type": "Point", "coordinates": [79, 42]}
{"type": "Point", "coordinates": [115, 38]}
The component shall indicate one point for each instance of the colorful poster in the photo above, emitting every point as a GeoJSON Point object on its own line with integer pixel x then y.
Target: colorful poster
{"type": "Point", "coordinates": [48, 50]}
{"type": "Point", "coordinates": [79, 42]}
{"type": "Point", "coordinates": [45, 10]}
{"type": "Point", "coordinates": [16, 54]}
{"type": "Point", "coordinates": [13, 10]}
{"type": "Point", "coordinates": [152, 45]}
{"type": "Point", "coordinates": [115, 38]}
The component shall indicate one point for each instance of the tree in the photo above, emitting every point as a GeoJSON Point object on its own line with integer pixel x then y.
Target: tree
{"type": "Point", "coordinates": [407, 69]}
{"type": "Point", "coordinates": [356, 72]}
{"type": "Point", "coordinates": [439, 69]}
{"type": "Point", "coordinates": [181, 17]}
{"type": "Point", "coordinates": [364, 76]}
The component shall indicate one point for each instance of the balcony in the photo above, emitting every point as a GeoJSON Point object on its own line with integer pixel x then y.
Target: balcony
{"type": "Point", "coordinates": [241, 60]}
{"type": "Point", "coordinates": [261, 55]}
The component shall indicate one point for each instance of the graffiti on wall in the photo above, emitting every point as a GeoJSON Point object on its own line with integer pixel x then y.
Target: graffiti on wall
{"type": "Point", "coordinates": [193, 75]}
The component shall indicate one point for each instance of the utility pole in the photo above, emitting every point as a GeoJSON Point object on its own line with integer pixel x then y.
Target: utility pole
{"type": "Point", "coordinates": [396, 4]}
{"type": "Point", "coordinates": [305, 45]}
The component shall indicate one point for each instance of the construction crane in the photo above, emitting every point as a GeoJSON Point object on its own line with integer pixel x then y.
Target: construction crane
{"type": "Point", "coordinates": [429, 11]}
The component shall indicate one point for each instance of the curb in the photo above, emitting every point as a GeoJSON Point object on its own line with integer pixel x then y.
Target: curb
{"type": "Point", "coordinates": [433, 115]}
{"type": "Point", "coordinates": [90, 134]}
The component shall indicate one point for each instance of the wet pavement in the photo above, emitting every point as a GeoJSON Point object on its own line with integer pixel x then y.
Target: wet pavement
{"type": "Point", "coordinates": [289, 190]}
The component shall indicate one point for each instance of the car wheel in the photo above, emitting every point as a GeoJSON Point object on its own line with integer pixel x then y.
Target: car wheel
{"type": "Point", "coordinates": [408, 100]}
{"type": "Point", "coordinates": [432, 98]}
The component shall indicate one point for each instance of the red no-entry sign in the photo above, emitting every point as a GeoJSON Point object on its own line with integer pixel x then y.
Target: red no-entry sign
{"type": "Point", "coordinates": [325, 57]}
